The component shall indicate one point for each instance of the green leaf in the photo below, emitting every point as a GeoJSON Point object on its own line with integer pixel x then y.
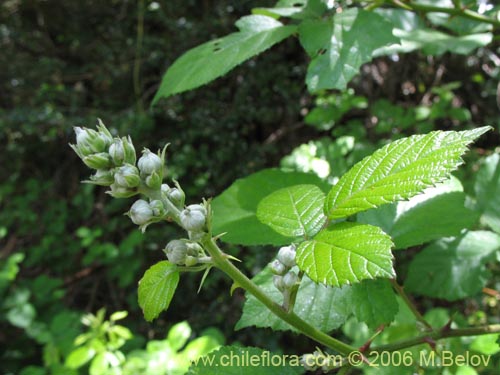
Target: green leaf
{"type": "Point", "coordinates": [399, 171]}
{"type": "Point", "coordinates": [99, 365]}
{"type": "Point", "coordinates": [213, 59]}
{"type": "Point", "coordinates": [323, 307]}
{"type": "Point", "coordinates": [486, 344]}
{"type": "Point", "coordinates": [347, 43]}
{"type": "Point", "coordinates": [453, 268]}
{"type": "Point", "coordinates": [414, 35]}
{"type": "Point", "coordinates": [235, 209]}
{"type": "Point", "coordinates": [178, 335]}
{"type": "Point", "coordinates": [80, 356]}
{"type": "Point", "coordinates": [236, 360]}
{"type": "Point", "coordinates": [346, 253]}
{"type": "Point", "coordinates": [157, 288]}
{"type": "Point", "coordinates": [437, 212]}
{"type": "Point", "coordinates": [487, 188]}
{"type": "Point", "coordinates": [295, 211]}
{"type": "Point", "coordinates": [373, 302]}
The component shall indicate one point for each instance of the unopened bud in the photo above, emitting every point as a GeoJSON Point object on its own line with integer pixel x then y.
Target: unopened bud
{"type": "Point", "coordinates": [158, 208]}
{"type": "Point", "coordinates": [176, 251]}
{"type": "Point", "coordinates": [153, 181]}
{"type": "Point", "coordinates": [190, 261]}
{"type": "Point", "coordinates": [193, 218]}
{"type": "Point", "coordinates": [277, 267]}
{"type": "Point", "coordinates": [140, 213]}
{"type": "Point", "coordinates": [100, 160]}
{"type": "Point", "coordinates": [119, 191]}
{"type": "Point", "coordinates": [278, 282]}
{"type": "Point", "coordinates": [102, 177]}
{"type": "Point", "coordinates": [286, 255]}
{"type": "Point", "coordinates": [290, 279]}
{"type": "Point", "coordinates": [176, 196]}
{"type": "Point", "coordinates": [127, 176]}
{"type": "Point", "coordinates": [149, 163]}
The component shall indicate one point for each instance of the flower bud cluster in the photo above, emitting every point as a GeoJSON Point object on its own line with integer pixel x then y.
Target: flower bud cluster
{"type": "Point", "coordinates": [144, 213]}
{"type": "Point", "coordinates": [184, 252]}
{"type": "Point", "coordinates": [284, 278]}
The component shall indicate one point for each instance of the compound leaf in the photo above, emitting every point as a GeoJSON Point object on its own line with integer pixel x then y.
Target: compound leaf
{"type": "Point", "coordinates": [346, 253]}
{"type": "Point", "coordinates": [157, 288]}
{"type": "Point", "coordinates": [294, 211]}
{"type": "Point", "coordinates": [213, 59]}
{"type": "Point", "coordinates": [399, 171]}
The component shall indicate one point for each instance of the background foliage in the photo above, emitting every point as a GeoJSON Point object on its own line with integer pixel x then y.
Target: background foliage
{"type": "Point", "coordinates": [64, 246]}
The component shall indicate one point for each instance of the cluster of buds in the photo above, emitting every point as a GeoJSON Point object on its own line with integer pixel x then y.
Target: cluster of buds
{"type": "Point", "coordinates": [114, 160]}
{"type": "Point", "coordinates": [284, 278]}
{"type": "Point", "coordinates": [185, 253]}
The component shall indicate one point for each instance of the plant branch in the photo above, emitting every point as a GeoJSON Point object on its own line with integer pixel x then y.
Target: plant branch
{"type": "Point", "coordinates": [400, 290]}
{"type": "Point", "coordinates": [439, 334]}
{"type": "Point", "coordinates": [460, 12]}
{"type": "Point", "coordinates": [291, 318]}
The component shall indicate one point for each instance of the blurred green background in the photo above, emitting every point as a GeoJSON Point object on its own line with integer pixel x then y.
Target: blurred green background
{"type": "Point", "coordinates": [66, 249]}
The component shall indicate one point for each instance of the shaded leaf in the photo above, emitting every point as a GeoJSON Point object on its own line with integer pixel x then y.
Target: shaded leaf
{"type": "Point", "coordinates": [213, 59]}
{"type": "Point", "coordinates": [349, 43]}
{"type": "Point", "coordinates": [399, 171]}
{"type": "Point", "coordinates": [487, 188]}
{"type": "Point", "coordinates": [373, 302]}
{"type": "Point", "coordinates": [295, 211]}
{"type": "Point", "coordinates": [235, 209]}
{"type": "Point", "coordinates": [437, 212]}
{"type": "Point", "coordinates": [325, 308]}
{"type": "Point", "coordinates": [346, 253]}
{"type": "Point", "coordinates": [157, 287]}
{"type": "Point", "coordinates": [453, 268]}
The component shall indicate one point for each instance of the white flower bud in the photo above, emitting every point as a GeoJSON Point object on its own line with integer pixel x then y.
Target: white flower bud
{"type": "Point", "coordinates": [290, 279]}
{"type": "Point", "coordinates": [176, 251]}
{"type": "Point", "coordinates": [127, 176]}
{"type": "Point", "coordinates": [158, 208]}
{"type": "Point", "coordinates": [99, 160]}
{"type": "Point", "coordinates": [277, 267]}
{"type": "Point", "coordinates": [149, 162]}
{"type": "Point", "coordinates": [193, 218]}
{"type": "Point", "coordinates": [286, 255]}
{"type": "Point", "coordinates": [117, 152]}
{"type": "Point", "coordinates": [165, 188]}
{"type": "Point", "coordinates": [102, 177]}
{"type": "Point", "coordinates": [153, 181]}
{"type": "Point", "coordinates": [140, 213]}
{"type": "Point", "coordinates": [119, 191]}
{"type": "Point", "coordinates": [176, 196]}
{"type": "Point", "coordinates": [278, 282]}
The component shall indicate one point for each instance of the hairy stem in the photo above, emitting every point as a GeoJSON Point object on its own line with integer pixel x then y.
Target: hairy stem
{"type": "Point", "coordinates": [291, 318]}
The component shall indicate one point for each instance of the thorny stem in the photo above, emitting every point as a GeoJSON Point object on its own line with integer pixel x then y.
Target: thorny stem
{"type": "Point", "coordinates": [221, 262]}
{"type": "Point", "coordinates": [438, 334]}
{"type": "Point", "coordinates": [400, 290]}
